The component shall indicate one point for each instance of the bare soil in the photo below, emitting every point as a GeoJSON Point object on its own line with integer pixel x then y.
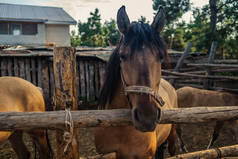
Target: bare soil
{"type": "Point", "coordinates": [196, 137]}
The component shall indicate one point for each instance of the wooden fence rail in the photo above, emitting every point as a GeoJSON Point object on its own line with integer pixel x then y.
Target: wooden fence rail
{"type": "Point", "coordinates": [228, 151]}
{"type": "Point", "coordinates": [119, 117]}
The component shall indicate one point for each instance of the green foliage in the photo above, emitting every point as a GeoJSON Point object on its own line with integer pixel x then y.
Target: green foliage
{"type": "Point", "coordinates": [173, 31]}
{"type": "Point", "coordinates": [176, 32]}
{"type": "Point", "coordinates": [200, 34]}
{"type": "Point", "coordinates": [112, 34]}
{"type": "Point", "coordinates": [74, 39]}
{"type": "Point", "coordinates": [94, 34]}
{"type": "Point", "coordinates": [174, 9]}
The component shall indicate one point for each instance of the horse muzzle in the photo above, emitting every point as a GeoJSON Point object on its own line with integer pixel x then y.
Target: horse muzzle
{"type": "Point", "coordinates": [145, 123]}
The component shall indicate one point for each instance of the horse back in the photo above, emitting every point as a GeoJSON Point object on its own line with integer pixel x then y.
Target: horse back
{"type": "Point", "coordinates": [188, 96]}
{"type": "Point", "coordinates": [17, 94]}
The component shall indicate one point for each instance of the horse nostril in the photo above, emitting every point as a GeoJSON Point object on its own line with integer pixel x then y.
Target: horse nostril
{"type": "Point", "coordinates": [136, 115]}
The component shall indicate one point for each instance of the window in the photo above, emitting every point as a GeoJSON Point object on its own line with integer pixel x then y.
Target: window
{"type": "Point", "coordinates": [29, 29]}
{"type": "Point", "coordinates": [16, 29]}
{"type": "Point", "coordinates": [3, 28]}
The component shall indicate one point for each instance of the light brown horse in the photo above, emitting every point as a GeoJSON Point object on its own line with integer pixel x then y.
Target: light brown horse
{"type": "Point", "coordinates": [133, 80]}
{"type": "Point", "coordinates": [194, 97]}
{"type": "Point", "coordinates": [18, 95]}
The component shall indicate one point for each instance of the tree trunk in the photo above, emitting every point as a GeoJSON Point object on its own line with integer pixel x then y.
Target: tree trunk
{"type": "Point", "coordinates": [213, 17]}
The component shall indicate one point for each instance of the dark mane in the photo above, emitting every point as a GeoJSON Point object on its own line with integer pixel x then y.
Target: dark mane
{"type": "Point", "coordinates": [139, 34]}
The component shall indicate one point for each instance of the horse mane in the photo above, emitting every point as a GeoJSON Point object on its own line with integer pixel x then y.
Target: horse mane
{"type": "Point", "coordinates": [139, 34]}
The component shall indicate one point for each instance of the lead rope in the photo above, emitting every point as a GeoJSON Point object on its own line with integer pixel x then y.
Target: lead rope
{"type": "Point", "coordinates": [69, 124]}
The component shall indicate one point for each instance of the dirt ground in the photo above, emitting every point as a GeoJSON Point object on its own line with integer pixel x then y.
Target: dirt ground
{"type": "Point", "coordinates": [196, 137]}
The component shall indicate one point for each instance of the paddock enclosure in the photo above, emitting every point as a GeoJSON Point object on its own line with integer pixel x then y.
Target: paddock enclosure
{"type": "Point", "coordinates": [36, 66]}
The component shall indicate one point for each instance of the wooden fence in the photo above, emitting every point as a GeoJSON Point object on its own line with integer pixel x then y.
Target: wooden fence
{"type": "Point", "coordinates": [38, 69]}
{"type": "Point", "coordinates": [188, 69]}
{"type": "Point", "coordinates": [207, 73]}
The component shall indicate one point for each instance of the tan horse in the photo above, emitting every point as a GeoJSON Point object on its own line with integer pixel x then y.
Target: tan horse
{"type": "Point", "coordinates": [18, 95]}
{"type": "Point", "coordinates": [194, 97]}
{"type": "Point", "coordinates": [133, 80]}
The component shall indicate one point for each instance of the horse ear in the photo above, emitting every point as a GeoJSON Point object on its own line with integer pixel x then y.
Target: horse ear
{"type": "Point", "coordinates": [159, 20]}
{"type": "Point", "coordinates": [123, 21]}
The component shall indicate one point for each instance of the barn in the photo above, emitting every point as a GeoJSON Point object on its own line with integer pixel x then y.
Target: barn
{"type": "Point", "coordinates": [34, 25]}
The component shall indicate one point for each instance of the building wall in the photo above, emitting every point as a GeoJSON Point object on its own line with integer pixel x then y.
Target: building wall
{"type": "Point", "coordinates": [58, 34]}
{"type": "Point", "coordinates": [38, 39]}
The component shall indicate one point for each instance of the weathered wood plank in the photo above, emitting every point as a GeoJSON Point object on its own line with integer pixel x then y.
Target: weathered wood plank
{"type": "Point", "coordinates": [180, 61]}
{"type": "Point", "coordinates": [87, 80]}
{"type": "Point", "coordinates": [91, 81]}
{"type": "Point", "coordinates": [4, 67]}
{"type": "Point", "coordinates": [45, 81]}
{"type": "Point", "coordinates": [9, 66]}
{"type": "Point", "coordinates": [28, 69]}
{"type": "Point", "coordinates": [97, 85]}
{"type": "Point", "coordinates": [213, 65]}
{"type": "Point", "coordinates": [78, 78]}
{"type": "Point", "coordinates": [65, 96]}
{"type": "Point", "coordinates": [39, 72]}
{"type": "Point", "coordinates": [33, 70]}
{"type": "Point", "coordinates": [208, 83]}
{"type": "Point", "coordinates": [82, 79]}
{"type": "Point", "coordinates": [228, 151]}
{"type": "Point", "coordinates": [199, 76]}
{"type": "Point", "coordinates": [22, 68]}
{"type": "Point", "coordinates": [51, 83]}
{"type": "Point", "coordinates": [16, 68]}
{"type": "Point", "coordinates": [116, 117]}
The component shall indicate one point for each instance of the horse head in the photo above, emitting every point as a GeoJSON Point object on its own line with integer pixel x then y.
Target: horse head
{"type": "Point", "coordinates": [141, 51]}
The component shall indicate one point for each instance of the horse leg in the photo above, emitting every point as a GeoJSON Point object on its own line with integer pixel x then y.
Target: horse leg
{"type": "Point", "coordinates": [160, 151]}
{"type": "Point", "coordinates": [18, 145]}
{"type": "Point", "coordinates": [4, 135]}
{"type": "Point", "coordinates": [172, 140]}
{"type": "Point", "coordinates": [216, 131]}
{"type": "Point", "coordinates": [40, 139]}
{"type": "Point", "coordinates": [179, 135]}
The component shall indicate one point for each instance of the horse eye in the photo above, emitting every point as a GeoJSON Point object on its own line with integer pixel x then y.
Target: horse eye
{"type": "Point", "coordinates": [123, 57]}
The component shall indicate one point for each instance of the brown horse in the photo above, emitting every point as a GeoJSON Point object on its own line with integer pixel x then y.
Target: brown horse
{"type": "Point", "coordinates": [133, 80]}
{"type": "Point", "coordinates": [18, 95]}
{"type": "Point", "coordinates": [194, 97]}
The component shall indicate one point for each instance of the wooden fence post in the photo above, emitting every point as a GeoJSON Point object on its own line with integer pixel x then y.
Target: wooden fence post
{"type": "Point", "coordinates": [207, 83]}
{"type": "Point", "coordinates": [65, 96]}
{"type": "Point", "coordinates": [180, 61]}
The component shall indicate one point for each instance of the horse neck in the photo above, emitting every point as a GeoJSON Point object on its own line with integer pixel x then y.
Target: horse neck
{"type": "Point", "coordinates": [120, 100]}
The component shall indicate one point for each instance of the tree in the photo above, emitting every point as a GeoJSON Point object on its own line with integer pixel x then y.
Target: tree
{"type": "Point", "coordinates": [216, 21]}
{"type": "Point", "coordinates": [92, 32]}
{"type": "Point", "coordinates": [74, 39]}
{"type": "Point", "coordinates": [112, 34]}
{"type": "Point", "coordinates": [174, 10]}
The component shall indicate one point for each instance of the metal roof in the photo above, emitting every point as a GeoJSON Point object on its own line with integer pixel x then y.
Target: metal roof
{"type": "Point", "coordinates": [28, 13]}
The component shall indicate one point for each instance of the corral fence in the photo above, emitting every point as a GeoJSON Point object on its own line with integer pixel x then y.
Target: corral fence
{"type": "Point", "coordinates": [57, 120]}
{"type": "Point", "coordinates": [207, 72]}
{"type": "Point", "coordinates": [37, 67]}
